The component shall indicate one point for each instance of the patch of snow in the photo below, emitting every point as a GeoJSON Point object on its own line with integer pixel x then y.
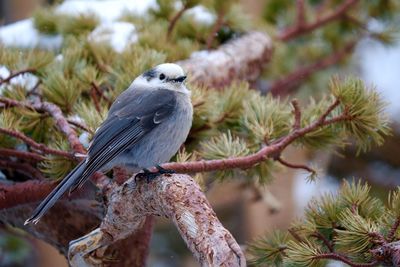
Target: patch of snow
{"type": "Point", "coordinates": [380, 66]}
{"type": "Point", "coordinates": [106, 11]}
{"type": "Point", "coordinates": [23, 34]}
{"type": "Point", "coordinates": [118, 34]}
{"type": "Point", "coordinates": [4, 72]}
{"type": "Point", "coordinates": [84, 139]}
{"type": "Point", "coordinates": [26, 80]}
{"type": "Point", "coordinates": [201, 15]}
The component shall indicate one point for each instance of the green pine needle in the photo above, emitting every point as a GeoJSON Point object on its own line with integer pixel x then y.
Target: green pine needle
{"type": "Point", "coordinates": [269, 250]}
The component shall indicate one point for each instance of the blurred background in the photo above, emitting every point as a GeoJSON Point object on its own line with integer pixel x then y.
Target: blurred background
{"type": "Point", "coordinates": [244, 214]}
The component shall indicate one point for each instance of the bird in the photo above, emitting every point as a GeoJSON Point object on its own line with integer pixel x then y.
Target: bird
{"type": "Point", "coordinates": [145, 127]}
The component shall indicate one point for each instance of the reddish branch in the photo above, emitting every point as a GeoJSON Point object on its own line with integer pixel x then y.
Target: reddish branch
{"type": "Point", "coordinates": [393, 230]}
{"type": "Point", "coordinates": [263, 154]}
{"type": "Point", "coordinates": [13, 75]}
{"type": "Point", "coordinates": [294, 166]}
{"type": "Point", "coordinates": [302, 28]}
{"type": "Point", "coordinates": [29, 141]}
{"type": "Point", "coordinates": [23, 168]}
{"type": "Point", "coordinates": [324, 240]}
{"type": "Point", "coordinates": [24, 192]}
{"type": "Point", "coordinates": [6, 152]}
{"type": "Point", "coordinates": [217, 26]}
{"type": "Point", "coordinates": [93, 95]}
{"type": "Point", "coordinates": [101, 93]}
{"type": "Point", "coordinates": [287, 84]}
{"type": "Point", "coordinates": [297, 114]}
{"type": "Point", "coordinates": [79, 125]}
{"type": "Point", "coordinates": [248, 161]}
{"type": "Point", "coordinates": [63, 125]}
{"type": "Point", "coordinates": [301, 9]}
{"type": "Point", "coordinates": [175, 19]}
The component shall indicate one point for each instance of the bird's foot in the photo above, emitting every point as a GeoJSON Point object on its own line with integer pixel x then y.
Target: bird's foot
{"type": "Point", "coordinates": [150, 176]}
{"type": "Point", "coordinates": [146, 174]}
{"type": "Point", "coordinates": [161, 170]}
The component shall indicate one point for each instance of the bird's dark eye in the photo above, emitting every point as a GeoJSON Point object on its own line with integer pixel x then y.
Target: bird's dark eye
{"type": "Point", "coordinates": [162, 76]}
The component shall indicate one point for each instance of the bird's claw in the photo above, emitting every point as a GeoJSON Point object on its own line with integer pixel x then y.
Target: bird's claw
{"type": "Point", "coordinates": [150, 176]}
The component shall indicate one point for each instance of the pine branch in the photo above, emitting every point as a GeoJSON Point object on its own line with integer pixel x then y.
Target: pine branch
{"type": "Point", "coordinates": [297, 114]}
{"type": "Point", "coordinates": [24, 168]}
{"type": "Point", "coordinates": [217, 26]}
{"type": "Point", "coordinates": [287, 84]}
{"type": "Point", "coordinates": [324, 240]}
{"type": "Point", "coordinates": [303, 28]}
{"type": "Point", "coordinates": [79, 125]}
{"type": "Point", "coordinates": [294, 166]}
{"type": "Point", "coordinates": [392, 232]}
{"type": "Point", "coordinates": [62, 125]}
{"type": "Point", "coordinates": [42, 147]}
{"type": "Point", "coordinates": [101, 93]}
{"type": "Point", "coordinates": [175, 19]}
{"type": "Point", "coordinates": [14, 103]}
{"type": "Point", "coordinates": [271, 150]}
{"type": "Point", "coordinates": [6, 152]}
{"type": "Point", "coordinates": [13, 75]}
{"type": "Point", "coordinates": [300, 16]}
{"type": "Point", "coordinates": [93, 95]}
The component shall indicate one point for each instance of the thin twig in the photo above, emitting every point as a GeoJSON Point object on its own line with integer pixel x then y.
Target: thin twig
{"type": "Point", "coordinates": [393, 230]}
{"type": "Point", "coordinates": [96, 103]}
{"type": "Point", "coordinates": [23, 168]}
{"type": "Point", "coordinates": [62, 125]}
{"type": "Point", "coordinates": [297, 114]}
{"type": "Point", "coordinates": [13, 75]}
{"type": "Point", "coordinates": [29, 141]}
{"type": "Point", "coordinates": [290, 82]}
{"type": "Point", "coordinates": [217, 26]}
{"type": "Point", "coordinates": [294, 166]}
{"type": "Point", "coordinates": [300, 29]}
{"type": "Point", "coordinates": [300, 8]}
{"type": "Point", "coordinates": [324, 240]}
{"type": "Point", "coordinates": [79, 125]}
{"type": "Point", "coordinates": [175, 19]}
{"type": "Point", "coordinates": [101, 93]}
{"type": "Point", "coordinates": [249, 161]}
{"type": "Point", "coordinates": [6, 152]}
{"type": "Point", "coordinates": [295, 235]}
{"type": "Point", "coordinates": [8, 102]}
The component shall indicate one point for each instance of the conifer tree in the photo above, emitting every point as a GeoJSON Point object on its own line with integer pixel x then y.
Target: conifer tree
{"type": "Point", "coordinates": [52, 101]}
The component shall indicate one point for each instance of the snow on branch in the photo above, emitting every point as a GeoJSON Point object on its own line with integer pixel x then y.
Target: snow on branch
{"type": "Point", "coordinates": [240, 59]}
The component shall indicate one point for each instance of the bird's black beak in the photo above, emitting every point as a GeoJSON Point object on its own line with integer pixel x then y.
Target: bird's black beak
{"type": "Point", "coordinates": [179, 79]}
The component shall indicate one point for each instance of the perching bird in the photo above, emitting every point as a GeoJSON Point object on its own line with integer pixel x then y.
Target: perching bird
{"type": "Point", "coordinates": [145, 127]}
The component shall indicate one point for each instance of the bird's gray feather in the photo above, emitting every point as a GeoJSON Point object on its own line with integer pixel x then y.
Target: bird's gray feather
{"type": "Point", "coordinates": [127, 122]}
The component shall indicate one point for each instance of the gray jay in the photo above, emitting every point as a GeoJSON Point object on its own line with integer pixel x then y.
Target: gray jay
{"type": "Point", "coordinates": [145, 127]}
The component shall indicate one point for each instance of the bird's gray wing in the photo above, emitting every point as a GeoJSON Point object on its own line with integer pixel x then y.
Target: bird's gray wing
{"type": "Point", "coordinates": [136, 115]}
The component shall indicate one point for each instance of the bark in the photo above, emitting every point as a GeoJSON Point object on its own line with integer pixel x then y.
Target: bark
{"type": "Point", "coordinates": [176, 197]}
{"type": "Point", "coordinates": [240, 59]}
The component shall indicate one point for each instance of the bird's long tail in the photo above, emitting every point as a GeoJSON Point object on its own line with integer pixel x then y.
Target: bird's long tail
{"type": "Point", "coordinates": [57, 193]}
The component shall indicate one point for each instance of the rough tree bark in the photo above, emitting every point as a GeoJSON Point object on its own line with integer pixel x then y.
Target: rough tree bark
{"type": "Point", "coordinates": [240, 59]}
{"type": "Point", "coordinates": [176, 197]}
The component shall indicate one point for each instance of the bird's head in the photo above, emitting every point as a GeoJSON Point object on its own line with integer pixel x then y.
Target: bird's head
{"type": "Point", "coordinates": [168, 76]}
